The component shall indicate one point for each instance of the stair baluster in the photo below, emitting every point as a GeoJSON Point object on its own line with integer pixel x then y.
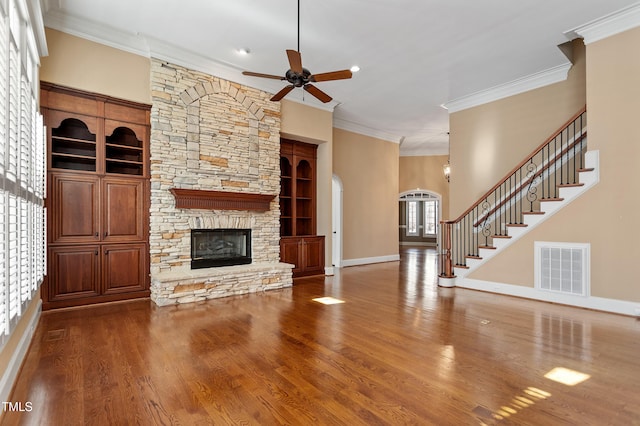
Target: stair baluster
{"type": "Point", "coordinates": [554, 164]}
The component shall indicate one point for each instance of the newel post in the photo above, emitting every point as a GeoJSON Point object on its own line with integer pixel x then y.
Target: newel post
{"type": "Point", "coordinates": [446, 277]}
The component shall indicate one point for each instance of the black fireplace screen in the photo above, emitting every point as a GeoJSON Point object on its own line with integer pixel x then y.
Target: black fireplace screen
{"type": "Point", "coordinates": [220, 247]}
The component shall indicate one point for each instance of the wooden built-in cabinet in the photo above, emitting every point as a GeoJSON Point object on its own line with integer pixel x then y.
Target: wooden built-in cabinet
{"type": "Point", "coordinates": [97, 198]}
{"type": "Point", "coordinates": [299, 243]}
{"type": "Point", "coordinates": [306, 253]}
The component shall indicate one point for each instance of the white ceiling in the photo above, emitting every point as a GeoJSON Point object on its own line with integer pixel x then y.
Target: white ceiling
{"type": "Point", "coordinates": [414, 55]}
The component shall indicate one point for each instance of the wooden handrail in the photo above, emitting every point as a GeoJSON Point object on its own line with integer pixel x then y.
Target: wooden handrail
{"type": "Point", "coordinates": [522, 163]}
{"type": "Point", "coordinates": [550, 162]}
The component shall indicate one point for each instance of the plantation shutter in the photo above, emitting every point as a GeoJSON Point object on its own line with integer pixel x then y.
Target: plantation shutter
{"type": "Point", "coordinates": [22, 167]}
{"type": "Point", "coordinates": [4, 106]}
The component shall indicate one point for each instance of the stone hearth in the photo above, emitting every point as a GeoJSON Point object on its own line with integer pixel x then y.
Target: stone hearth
{"type": "Point", "coordinates": [209, 134]}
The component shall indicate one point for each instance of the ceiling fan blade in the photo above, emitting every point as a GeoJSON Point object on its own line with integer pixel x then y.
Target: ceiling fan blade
{"type": "Point", "coordinates": [334, 75]}
{"type": "Point", "coordinates": [317, 93]}
{"type": "Point", "coordinates": [257, 74]}
{"type": "Point", "coordinates": [281, 94]}
{"type": "Point", "coordinates": [295, 61]}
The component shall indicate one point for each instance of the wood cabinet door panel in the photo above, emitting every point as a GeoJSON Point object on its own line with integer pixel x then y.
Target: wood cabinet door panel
{"type": "Point", "coordinates": [124, 268]}
{"type": "Point", "coordinates": [73, 272]}
{"type": "Point", "coordinates": [123, 210]}
{"type": "Point", "coordinates": [290, 252]}
{"type": "Point", "coordinates": [74, 209]}
{"type": "Point", "coordinates": [314, 254]}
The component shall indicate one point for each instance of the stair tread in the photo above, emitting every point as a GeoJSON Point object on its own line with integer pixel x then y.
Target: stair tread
{"type": "Point", "coordinates": [586, 169]}
{"type": "Point", "coordinates": [551, 199]}
{"type": "Point", "coordinates": [461, 266]}
{"type": "Point", "coordinates": [532, 212]}
{"type": "Point", "coordinates": [500, 236]}
{"type": "Point", "coordinates": [469, 256]}
{"type": "Point", "coordinates": [487, 247]}
{"type": "Point", "coordinates": [569, 185]}
{"type": "Point", "coordinates": [517, 225]}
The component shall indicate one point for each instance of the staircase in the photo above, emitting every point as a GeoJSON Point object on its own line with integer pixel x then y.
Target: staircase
{"type": "Point", "coordinates": [553, 175]}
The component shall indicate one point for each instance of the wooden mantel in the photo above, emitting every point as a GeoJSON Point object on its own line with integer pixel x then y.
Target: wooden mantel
{"type": "Point", "coordinates": [220, 200]}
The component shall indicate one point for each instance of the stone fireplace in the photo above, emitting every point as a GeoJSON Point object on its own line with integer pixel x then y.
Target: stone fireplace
{"type": "Point", "coordinates": [214, 165]}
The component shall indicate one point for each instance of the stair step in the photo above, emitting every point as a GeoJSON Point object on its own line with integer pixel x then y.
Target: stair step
{"type": "Point", "coordinates": [461, 266]}
{"type": "Point", "coordinates": [586, 169]}
{"type": "Point", "coordinates": [518, 225]}
{"type": "Point", "coordinates": [487, 247]}
{"type": "Point", "coordinates": [470, 256]}
{"type": "Point", "coordinates": [501, 236]}
{"type": "Point", "coordinates": [551, 199]}
{"type": "Point", "coordinates": [569, 185]}
{"type": "Point", "coordinates": [532, 212]}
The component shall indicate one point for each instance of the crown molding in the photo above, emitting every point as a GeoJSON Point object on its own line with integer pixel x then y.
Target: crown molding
{"type": "Point", "coordinates": [151, 47]}
{"type": "Point", "coordinates": [607, 26]}
{"type": "Point", "coordinates": [95, 32]}
{"type": "Point", "coordinates": [427, 151]}
{"type": "Point", "coordinates": [363, 130]}
{"type": "Point", "coordinates": [515, 87]}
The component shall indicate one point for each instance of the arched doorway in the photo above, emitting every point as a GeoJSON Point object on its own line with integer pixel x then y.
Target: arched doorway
{"type": "Point", "coordinates": [419, 217]}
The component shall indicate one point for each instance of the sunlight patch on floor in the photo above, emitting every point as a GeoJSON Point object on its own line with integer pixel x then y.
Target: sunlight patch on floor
{"type": "Point", "coordinates": [328, 300]}
{"type": "Point", "coordinates": [566, 376]}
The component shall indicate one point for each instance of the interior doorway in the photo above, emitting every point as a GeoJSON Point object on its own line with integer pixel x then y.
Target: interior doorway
{"type": "Point", "coordinates": [336, 220]}
{"type": "Point", "coordinates": [419, 216]}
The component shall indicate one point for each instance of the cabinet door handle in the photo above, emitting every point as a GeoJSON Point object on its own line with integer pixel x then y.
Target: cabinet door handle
{"type": "Point", "coordinates": [97, 234]}
{"type": "Point", "coordinates": [96, 252]}
{"type": "Point", "coordinates": [106, 234]}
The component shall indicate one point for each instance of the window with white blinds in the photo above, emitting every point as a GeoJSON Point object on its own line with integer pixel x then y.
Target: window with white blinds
{"type": "Point", "coordinates": [22, 167]}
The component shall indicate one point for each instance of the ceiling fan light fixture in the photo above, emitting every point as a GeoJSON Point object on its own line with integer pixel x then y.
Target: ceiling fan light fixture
{"type": "Point", "coordinates": [243, 51]}
{"type": "Point", "coordinates": [298, 76]}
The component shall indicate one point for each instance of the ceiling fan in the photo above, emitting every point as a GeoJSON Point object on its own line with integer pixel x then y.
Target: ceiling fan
{"type": "Point", "coordinates": [298, 76]}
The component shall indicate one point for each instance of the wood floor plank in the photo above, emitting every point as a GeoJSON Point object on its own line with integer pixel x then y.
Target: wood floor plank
{"type": "Point", "coordinates": [399, 350]}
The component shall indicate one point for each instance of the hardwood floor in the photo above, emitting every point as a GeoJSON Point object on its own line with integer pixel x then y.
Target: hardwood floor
{"type": "Point", "coordinates": [399, 350]}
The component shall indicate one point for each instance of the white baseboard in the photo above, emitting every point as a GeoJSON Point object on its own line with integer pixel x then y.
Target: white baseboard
{"type": "Point", "coordinates": [421, 244]}
{"type": "Point", "coordinates": [11, 373]}
{"type": "Point", "coordinates": [590, 302]}
{"type": "Point", "coordinates": [369, 260]}
{"type": "Point", "coordinates": [329, 270]}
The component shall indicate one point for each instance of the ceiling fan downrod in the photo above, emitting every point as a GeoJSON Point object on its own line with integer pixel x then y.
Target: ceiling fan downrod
{"type": "Point", "coordinates": [298, 25]}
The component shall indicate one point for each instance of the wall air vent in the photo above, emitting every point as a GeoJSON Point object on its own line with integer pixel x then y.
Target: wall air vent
{"type": "Point", "coordinates": [562, 267]}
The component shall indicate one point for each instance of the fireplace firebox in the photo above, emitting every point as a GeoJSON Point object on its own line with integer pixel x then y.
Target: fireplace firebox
{"type": "Point", "coordinates": [220, 247]}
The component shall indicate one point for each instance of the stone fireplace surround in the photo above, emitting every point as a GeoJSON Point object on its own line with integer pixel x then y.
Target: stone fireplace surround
{"type": "Point", "coordinates": [209, 135]}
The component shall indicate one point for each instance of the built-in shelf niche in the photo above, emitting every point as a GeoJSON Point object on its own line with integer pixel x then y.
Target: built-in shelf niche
{"type": "Point", "coordinates": [124, 152]}
{"type": "Point", "coordinates": [73, 146]}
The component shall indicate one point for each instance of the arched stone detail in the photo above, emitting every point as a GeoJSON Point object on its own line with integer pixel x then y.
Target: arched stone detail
{"type": "Point", "coordinates": [202, 89]}
{"type": "Point", "coordinates": [192, 98]}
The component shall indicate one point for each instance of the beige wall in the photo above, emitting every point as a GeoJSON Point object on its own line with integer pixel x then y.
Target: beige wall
{"type": "Point", "coordinates": [425, 173]}
{"type": "Point", "coordinates": [313, 125]}
{"type": "Point", "coordinates": [368, 169]}
{"type": "Point", "coordinates": [85, 65]}
{"type": "Point", "coordinates": [489, 140]}
{"type": "Point", "coordinates": [605, 216]}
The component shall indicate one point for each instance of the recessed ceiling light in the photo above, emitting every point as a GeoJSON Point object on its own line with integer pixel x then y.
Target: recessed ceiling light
{"type": "Point", "coordinates": [355, 68]}
{"type": "Point", "coordinates": [243, 51]}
